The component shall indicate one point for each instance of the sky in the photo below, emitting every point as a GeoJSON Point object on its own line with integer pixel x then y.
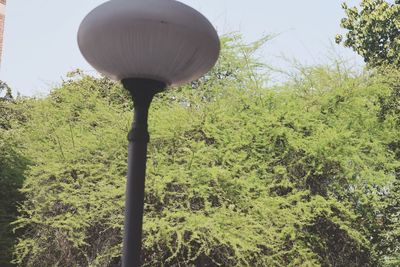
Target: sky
{"type": "Point", "coordinates": [40, 44]}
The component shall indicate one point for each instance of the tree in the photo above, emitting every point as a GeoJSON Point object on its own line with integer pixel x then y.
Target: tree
{"type": "Point", "coordinates": [12, 166]}
{"type": "Point", "coordinates": [390, 112]}
{"type": "Point", "coordinates": [238, 174]}
{"type": "Point", "coordinates": [373, 31]}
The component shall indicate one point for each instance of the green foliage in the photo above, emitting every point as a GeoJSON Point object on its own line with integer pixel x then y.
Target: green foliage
{"type": "Point", "coordinates": [78, 170]}
{"type": "Point", "coordinates": [390, 111]}
{"type": "Point", "coordinates": [12, 165]}
{"type": "Point", "coordinates": [238, 174]}
{"type": "Point", "coordinates": [373, 31]}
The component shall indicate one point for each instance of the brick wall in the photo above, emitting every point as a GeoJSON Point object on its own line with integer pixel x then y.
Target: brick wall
{"type": "Point", "coordinates": [2, 17]}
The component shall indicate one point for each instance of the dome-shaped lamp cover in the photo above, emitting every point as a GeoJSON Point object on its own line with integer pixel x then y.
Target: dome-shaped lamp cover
{"type": "Point", "coordinates": [162, 40]}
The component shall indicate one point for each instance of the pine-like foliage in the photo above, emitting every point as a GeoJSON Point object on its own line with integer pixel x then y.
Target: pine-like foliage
{"type": "Point", "coordinates": [238, 174]}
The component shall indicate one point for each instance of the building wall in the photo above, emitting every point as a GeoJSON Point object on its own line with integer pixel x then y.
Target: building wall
{"type": "Point", "coordinates": [2, 17]}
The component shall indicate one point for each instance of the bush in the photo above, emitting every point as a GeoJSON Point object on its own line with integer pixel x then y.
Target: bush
{"type": "Point", "coordinates": [238, 174]}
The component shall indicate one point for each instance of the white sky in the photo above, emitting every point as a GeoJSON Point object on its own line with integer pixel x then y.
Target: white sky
{"type": "Point", "coordinates": [40, 36]}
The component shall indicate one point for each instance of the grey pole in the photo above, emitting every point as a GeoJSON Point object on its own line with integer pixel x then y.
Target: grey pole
{"type": "Point", "coordinates": [142, 92]}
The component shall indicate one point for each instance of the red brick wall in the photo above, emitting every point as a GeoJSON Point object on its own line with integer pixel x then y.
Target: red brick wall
{"type": "Point", "coordinates": [1, 35]}
{"type": "Point", "coordinates": [2, 2]}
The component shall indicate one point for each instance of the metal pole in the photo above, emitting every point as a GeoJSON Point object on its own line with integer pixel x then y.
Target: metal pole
{"type": "Point", "coordinates": [142, 91]}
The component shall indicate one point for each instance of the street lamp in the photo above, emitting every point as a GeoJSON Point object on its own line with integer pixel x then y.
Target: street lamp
{"type": "Point", "coordinates": [148, 45]}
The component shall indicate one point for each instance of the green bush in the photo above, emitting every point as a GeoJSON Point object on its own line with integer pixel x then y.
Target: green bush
{"type": "Point", "coordinates": [238, 174]}
{"type": "Point", "coordinates": [12, 166]}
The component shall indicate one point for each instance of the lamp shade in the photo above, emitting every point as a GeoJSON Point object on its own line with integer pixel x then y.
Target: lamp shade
{"type": "Point", "coordinates": [162, 40]}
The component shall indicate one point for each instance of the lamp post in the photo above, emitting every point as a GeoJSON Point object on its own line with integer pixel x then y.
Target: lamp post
{"type": "Point", "coordinates": [148, 45]}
